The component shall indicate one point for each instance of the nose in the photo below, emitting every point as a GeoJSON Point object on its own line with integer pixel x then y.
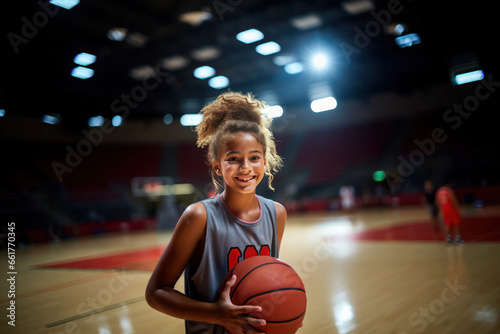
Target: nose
{"type": "Point", "coordinates": [245, 164]}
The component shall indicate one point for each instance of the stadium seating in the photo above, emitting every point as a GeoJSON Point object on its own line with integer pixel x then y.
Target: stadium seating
{"type": "Point", "coordinates": [328, 153]}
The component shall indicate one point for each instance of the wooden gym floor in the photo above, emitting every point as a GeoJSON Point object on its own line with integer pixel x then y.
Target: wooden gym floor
{"type": "Point", "coordinates": [371, 271]}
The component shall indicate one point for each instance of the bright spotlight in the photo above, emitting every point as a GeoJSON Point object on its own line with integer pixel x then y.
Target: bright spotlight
{"type": "Point", "coordinates": [51, 119]}
{"type": "Point", "coordinates": [294, 68]}
{"type": "Point", "coordinates": [117, 120]}
{"type": "Point", "coordinates": [191, 119]}
{"type": "Point", "coordinates": [320, 61]}
{"type": "Point", "coordinates": [273, 111]}
{"type": "Point", "coordinates": [218, 82]}
{"type": "Point", "coordinates": [96, 121]}
{"type": "Point", "coordinates": [324, 104]}
{"type": "Point", "coordinates": [467, 77]}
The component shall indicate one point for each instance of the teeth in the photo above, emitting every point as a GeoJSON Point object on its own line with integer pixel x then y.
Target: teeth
{"type": "Point", "coordinates": [245, 179]}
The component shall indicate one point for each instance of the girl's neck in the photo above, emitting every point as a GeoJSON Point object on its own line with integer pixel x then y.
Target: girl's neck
{"type": "Point", "coordinates": [240, 204]}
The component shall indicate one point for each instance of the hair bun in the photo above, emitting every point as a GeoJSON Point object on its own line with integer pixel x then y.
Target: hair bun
{"type": "Point", "coordinates": [230, 106]}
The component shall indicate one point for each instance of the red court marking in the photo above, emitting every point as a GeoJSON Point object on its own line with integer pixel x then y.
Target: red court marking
{"type": "Point", "coordinates": [144, 259]}
{"type": "Point", "coordinates": [472, 229]}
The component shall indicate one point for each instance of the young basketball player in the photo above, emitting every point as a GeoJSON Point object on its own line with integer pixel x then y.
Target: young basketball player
{"type": "Point", "coordinates": [213, 235]}
{"type": "Point", "coordinates": [445, 198]}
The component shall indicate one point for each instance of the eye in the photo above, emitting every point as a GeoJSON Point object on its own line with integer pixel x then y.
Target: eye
{"type": "Point", "coordinates": [232, 159]}
{"type": "Point", "coordinates": [255, 158]}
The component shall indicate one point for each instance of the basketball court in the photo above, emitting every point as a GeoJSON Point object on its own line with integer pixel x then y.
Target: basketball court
{"type": "Point", "coordinates": [371, 271]}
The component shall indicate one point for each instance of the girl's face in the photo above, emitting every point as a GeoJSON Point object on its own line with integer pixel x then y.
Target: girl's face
{"type": "Point", "coordinates": [241, 163]}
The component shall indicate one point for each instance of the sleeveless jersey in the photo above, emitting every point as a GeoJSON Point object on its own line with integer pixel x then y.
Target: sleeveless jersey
{"type": "Point", "coordinates": [443, 197]}
{"type": "Point", "coordinates": [228, 241]}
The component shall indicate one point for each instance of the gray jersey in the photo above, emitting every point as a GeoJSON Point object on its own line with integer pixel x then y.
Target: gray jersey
{"type": "Point", "coordinates": [228, 241]}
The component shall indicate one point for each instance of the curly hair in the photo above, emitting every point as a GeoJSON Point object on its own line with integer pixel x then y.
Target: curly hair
{"type": "Point", "coordinates": [231, 113]}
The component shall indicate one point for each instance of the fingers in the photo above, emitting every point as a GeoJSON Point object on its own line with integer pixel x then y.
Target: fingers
{"type": "Point", "coordinates": [227, 287]}
{"type": "Point", "coordinates": [247, 309]}
{"type": "Point", "coordinates": [254, 322]}
{"type": "Point", "coordinates": [248, 329]}
{"type": "Point", "coordinates": [231, 281]}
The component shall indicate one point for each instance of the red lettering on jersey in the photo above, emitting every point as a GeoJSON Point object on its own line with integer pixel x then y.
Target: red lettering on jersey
{"type": "Point", "coordinates": [250, 251]}
{"type": "Point", "coordinates": [265, 250]}
{"type": "Point", "coordinates": [234, 255]}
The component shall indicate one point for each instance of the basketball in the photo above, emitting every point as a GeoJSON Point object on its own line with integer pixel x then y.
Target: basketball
{"type": "Point", "coordinates": [274, 286]}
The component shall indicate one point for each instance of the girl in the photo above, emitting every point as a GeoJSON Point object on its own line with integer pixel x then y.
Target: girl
{"type": "Point", "coordinates": [213, 235]}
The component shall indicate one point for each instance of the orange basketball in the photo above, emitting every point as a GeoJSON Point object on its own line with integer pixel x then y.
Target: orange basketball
{"type": "Point", "coordinates": [274, 286]}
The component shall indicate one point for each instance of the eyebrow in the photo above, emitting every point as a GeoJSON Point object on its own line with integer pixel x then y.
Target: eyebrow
{"type": "Point", "coordinates": [237, 152]}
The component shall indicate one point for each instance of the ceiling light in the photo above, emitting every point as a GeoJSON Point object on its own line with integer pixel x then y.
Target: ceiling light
{"type": "Point", "coordinates": [294, 68]}
{"type": "Point", "coordinates": [117, 120]}
{"type": "Point", "coordinates": [142, 72]}
{"type": "Point", "coordinates": [273, 111]}
{"type": "Point", "coordinates": [204, 72]}
{"type": "Point", "coordinates": [408, 40]}
{"type": "Point", "coordinates": [205, 54]}
{"type": "Point", "coordinates": [320, 61]}
{"type": "Point", "coordinates": [51, 119]}
{"type": "Point", "coordinates": [191, 119]}
{"type": "Point", "coordinates": [218, 82]}
{"type": "Point", "coordinates": [324, 104]}
{"type": "Point", "coordinates": [250, 36]}
{"type": "Point", "coordinates": [96, 121]}
{"type": "Point", "coordinates": [66, 4]}
{"type": "Point", "coordinates": [174, 63]}
{"type": "Point", "coordinates": [117, 34]}
{"type": "Point", "coordinates": [467, 77]}
{"type": "Point", "coordinates": [307, 22]}
{"type": "Point", "coordinates": [84, 59]}
{"type": "Point", "coordinates": [167, 119]}
{"type": "Point", "coordinates": [357, 7]}
{"type": "Point", "coordinates": [195, 18]}
{"type": "Point", "coordinates": [395, 29]}
{"type": "Point", "coordinates": [399, 29]}
{"type": "Point", "coordinates": [82, 72]}
{"type": "Point", "coordinates": [268, 48]}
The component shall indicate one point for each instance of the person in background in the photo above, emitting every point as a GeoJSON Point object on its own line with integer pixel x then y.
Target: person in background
{"type": "Point", "coordinates": [447, 201]}
{"type": "Point", "coordinates": [429, 199]}
{"type": "Point", "coordinates": [347, 200]}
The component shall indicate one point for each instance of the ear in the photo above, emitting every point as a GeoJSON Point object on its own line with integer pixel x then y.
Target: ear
{"type": "Point", "coordinates": [216, 167]}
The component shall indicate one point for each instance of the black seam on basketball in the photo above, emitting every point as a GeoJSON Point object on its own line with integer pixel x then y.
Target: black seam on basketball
{"type": "Point", "coordinates": [248, 273]}
{"type": "Point", "coordinates": [283, 321]}
{"type": "Point", "coordinates": [271, 291]}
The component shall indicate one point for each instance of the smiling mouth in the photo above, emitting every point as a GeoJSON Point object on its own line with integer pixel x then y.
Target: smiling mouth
{"type": "Point", "coordinates": [245, 179]}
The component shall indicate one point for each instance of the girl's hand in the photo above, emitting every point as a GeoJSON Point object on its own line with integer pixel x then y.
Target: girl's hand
{"type": "Point", "coordinates": [236, 318]}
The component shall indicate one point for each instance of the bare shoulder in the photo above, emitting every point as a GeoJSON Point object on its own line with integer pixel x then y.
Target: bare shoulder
{"type": "Point", "coordinates": [280, 210]}
{"type": "Point", "coordinates": [195, 216]}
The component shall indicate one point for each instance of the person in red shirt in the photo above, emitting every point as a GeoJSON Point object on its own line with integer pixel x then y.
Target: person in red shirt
{"type": "Point", "coordinates": [447, 202]}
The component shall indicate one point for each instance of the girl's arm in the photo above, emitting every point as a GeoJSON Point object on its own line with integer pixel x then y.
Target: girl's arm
{"type": "Point", "coordinates": [160, 292]}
